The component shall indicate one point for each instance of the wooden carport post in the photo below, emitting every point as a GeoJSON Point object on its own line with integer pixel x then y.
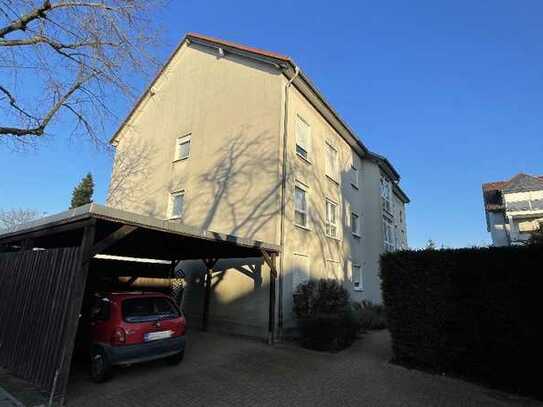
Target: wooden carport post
{"type": "Point", "coordinates": [210, 263]}
{"type": "Point", "coordinates": [74, 308]}
{"type": "Point", "coordinates": [270, 260]}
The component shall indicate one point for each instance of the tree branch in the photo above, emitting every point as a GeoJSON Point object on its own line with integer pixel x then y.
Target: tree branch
{"type": "Point", "coordinates": [41, 12]}
{"type": "Point", "coordinates": [21, 23]}
{"type": "Point", "coordinates": [13, 103]}
{"type": "Point", "coordinates": [39, 130]}
{"type": "Point", "coordinates": [40, 39]}
{"type": "Point", "coordinates": [97, 40]}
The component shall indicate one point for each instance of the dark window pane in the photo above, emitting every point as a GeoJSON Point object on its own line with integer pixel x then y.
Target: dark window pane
{"type": "Point", "coordinates": [148, 309]}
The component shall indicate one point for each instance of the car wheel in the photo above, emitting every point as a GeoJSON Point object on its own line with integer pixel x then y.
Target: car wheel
{"type": "Point", "coordinates": [100, 366]}
{"type": "Point", "coordinates": [176, 359]}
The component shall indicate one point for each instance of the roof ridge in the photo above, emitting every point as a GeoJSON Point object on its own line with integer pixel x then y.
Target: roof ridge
{"type": "Point", "coordinates": [503, 183]}
{"type": "Point", "coordinates": [239, 46]}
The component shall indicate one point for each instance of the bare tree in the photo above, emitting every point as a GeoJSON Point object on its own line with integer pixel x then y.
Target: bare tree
{"type": "Point", "coordinates": [61, 60]}
{"type": "Point", "coordinates": [11, 218]}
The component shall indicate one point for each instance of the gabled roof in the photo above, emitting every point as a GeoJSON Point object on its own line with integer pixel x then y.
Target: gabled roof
{"type": "Point", "coordinates": [292, 72]}
{"type": "Point", "coordinates": [492, 191]}
{"type": "Point", "coordinates": [523, 183]}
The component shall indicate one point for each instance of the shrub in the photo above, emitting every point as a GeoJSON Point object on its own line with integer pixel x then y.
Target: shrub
{"type": "Point", "coordinates": [370, 316]}
{"type": "Point", "coordinates": [471, 312]}
{"type": "Point", "coordinates": [325, 316]}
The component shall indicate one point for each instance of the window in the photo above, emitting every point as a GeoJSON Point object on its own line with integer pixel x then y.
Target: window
{"type": "Point", "coordinates": [300, 269]}
{"type": "Point", "coordinates": [388, 234]}
{"type": "Point", "coordinates": [147, 309]}
{"type": "Point", "coordinates": [300, 206]}
{"type": "Point", "coordinates": [182, 148]}
{"type": "Point", "coordinates": [177, 201]}
{"type": "Point", "coordinates": [303, 138]}
{"type": "Point", "coordinates": [386, 191]}
{"type": "Point", "coordinates": [332, 166]}
{"type": "Point", "coordinates": [354, 177]}
{"type": "Point", "coordinates": [358, 280]}
{"type": "Point", "coordinates": [355, 223]}
{"type": "Point", "coordinates": [331, 219]}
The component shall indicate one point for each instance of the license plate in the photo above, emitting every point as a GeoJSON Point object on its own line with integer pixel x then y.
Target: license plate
{"type": "Point", "coordinates": [155, 336]}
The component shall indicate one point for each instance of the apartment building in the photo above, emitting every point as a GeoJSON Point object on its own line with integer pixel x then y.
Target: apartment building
{"type": "Point", "coordinates": [238, 140]}
{"type": "Point", "coordinates": [513, 208]}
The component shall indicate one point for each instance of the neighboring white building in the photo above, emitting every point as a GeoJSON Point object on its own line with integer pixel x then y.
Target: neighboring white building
{"type": "Point", "coordinates": [514, 208]}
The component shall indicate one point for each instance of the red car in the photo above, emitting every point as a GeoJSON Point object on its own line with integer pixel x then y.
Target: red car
{"type": "Point", "coordinates": [127, 328]}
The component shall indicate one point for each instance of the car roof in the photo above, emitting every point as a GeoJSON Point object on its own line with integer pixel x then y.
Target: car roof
{"type": "Point", "coordinates": [134, 294]}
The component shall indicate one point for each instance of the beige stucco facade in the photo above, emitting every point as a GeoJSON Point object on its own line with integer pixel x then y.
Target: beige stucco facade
{"type": "Point", "coordinates": [233, 108]}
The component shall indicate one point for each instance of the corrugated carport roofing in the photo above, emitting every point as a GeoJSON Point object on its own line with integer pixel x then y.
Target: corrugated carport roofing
{"type": "Point", "coordinates": [133, 235]}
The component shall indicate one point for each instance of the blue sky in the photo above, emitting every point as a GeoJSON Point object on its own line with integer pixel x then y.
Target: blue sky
{"type": "Point", "coordinates": [451, 92]}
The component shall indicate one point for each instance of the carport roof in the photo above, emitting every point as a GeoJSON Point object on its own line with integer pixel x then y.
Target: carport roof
{"type": "Point", "coordinates": [133, 235]}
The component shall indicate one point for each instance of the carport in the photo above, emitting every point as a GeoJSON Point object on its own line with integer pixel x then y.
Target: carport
{"type": "Point", "coordinates": [44, 267]}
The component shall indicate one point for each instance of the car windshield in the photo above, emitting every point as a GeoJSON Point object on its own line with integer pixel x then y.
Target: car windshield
{"type": "Point", "coordinates": [148, 309]}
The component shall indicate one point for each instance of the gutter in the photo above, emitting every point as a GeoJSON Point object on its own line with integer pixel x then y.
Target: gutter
{"type": "Point", "coordinates": [284, 200]}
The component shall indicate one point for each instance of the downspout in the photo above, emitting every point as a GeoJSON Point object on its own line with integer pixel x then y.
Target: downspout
{"type": "Point", "coordinates": [284, 201]}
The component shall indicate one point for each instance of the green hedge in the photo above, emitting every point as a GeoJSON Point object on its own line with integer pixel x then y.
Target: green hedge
{"type": "Point", "coordinates": [470, 312]}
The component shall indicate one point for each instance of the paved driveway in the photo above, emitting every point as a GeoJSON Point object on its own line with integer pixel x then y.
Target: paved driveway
{"type": "Point", "coordinates": [227, 371]}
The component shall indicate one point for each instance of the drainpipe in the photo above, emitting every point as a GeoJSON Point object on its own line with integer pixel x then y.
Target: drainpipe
{"type": "Point", "coordinates": [284, 201]}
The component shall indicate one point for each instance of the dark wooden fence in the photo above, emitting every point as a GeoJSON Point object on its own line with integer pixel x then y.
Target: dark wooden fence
{"type": "Point", "coordinates": [37, 290]}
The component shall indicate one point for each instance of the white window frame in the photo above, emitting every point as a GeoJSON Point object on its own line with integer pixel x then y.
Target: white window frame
{"type": "Point", "coordinates": [306, 148]}
{"type": "Point", "coordinates": [355, 177]}
{"type": "Point", "coordinates": [172, 197]}
{"type": "Point", "coordinates": [329, 171]}
{"type": "Point", "coordinates": [357, 215]}
{"type": "Point", "coordinates": [328, 224]}
{"type": "Point", "coordinates": [388, 234]}
{"type": "Point", "coordinates": [305, 188]}
{"type": "Point", "coordinates": [386, 192]}
{"type": "Point", "coordinates": [358, 277]}
{"type": "Point", "coordinates": [187, 138]}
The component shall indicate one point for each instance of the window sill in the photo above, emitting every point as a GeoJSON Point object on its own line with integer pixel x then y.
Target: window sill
{"type": "Point", "coordinates": [358, 289]}
{"type": "Point", "coordinates": [332, 179]}
{"type": "Point", "coordinates": [334, 238]}
{"type": "Point", "coordinates": [389, 214]}
{"type": "Point", "coordinates": [174, 218]}
{"type": "Point", "coordinates": [356, 235]}
{"type": "Point", "coordinates": [306, 228]}
{"type": "Point", "coordinates": [305, 160]}
{"type": "Point", "coordinates": [355, 186]}
{"type": "Point", "coordinates": [180, 159]}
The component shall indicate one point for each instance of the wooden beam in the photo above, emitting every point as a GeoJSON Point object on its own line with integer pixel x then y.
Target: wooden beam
{"type": "Point", "coordinates": [209, 263]}
{"type": "Point", "coordinates": [270, 261]}
{"type": "Point", "coordinates": [74, 308]}
{"type": "Point", "coordinates": [271, 310]}
{"type": "Point", "coordinates": [27, 244]}
{"type": "Point", "coordinates": [113, 238]}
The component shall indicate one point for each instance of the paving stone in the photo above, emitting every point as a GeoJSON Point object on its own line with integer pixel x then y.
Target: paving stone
{"type": "Point", "coordinates": [221, 370]}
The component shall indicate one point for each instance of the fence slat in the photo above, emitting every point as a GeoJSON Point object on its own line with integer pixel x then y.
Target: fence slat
{"type": "Point", "coordinates": [36, 287]}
